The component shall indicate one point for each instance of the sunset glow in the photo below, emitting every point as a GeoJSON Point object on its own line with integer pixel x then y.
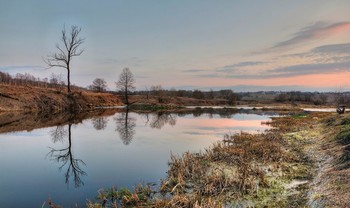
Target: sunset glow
{"type": "Point", "coordinates": [188, 45]}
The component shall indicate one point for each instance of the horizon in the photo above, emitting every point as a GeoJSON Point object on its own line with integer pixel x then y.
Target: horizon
{"type": "Point", "coordinates": [243, 46]}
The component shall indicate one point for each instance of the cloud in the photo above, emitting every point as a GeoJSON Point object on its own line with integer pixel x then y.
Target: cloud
{"type": "Point", "coordinates": [343, 48]}
{"type": "Point", "coordinates": [315, 31]}
{"type": "Point", "coordinates": [304, 69]}
{"type": "Point", "coordinates": [236, 67]}
{"type": "Point", "coordinates": [287, 71]}
{"type": "Point", "coordinates": [325, 53]}
{"type": "Point", "coordinates": [256, 88]}
{"type": "Point", "coordinates": [246, 63]}
{"type": "Point", "coordinates": [233, 68]}
{"type": "Point", "coordinates": [19, 69]}
{"type": "Point", "coordinates": [324, 59]}
{"type": "Point", "coordinates": [193, 70]}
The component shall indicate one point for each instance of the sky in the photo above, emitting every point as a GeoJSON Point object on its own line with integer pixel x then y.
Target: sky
{"type": "Point", "coordinates": [186, 44]}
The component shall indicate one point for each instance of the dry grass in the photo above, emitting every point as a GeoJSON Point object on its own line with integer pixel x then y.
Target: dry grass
{"type": "Point", "coordinates": [30, 98]}
{"type": "Point", "coordinates": [336, 178]}
{"type": "Point", "coordinates": [272, 169]}
{"type": "Point", "coordinates": [230, 170]}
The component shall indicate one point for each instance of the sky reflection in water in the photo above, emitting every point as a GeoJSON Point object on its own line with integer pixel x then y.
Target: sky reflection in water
{"type": "Point", "coordinates": [69, 163]}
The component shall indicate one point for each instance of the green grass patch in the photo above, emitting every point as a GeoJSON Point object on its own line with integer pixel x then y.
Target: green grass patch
{"type": "Point", "coordinates": [153, 107]}
{"type": "Point", "coordinates": [345, 121]}
{"type": "Point", "coordinates": [343, 137]}
{"type": "Point", "coordinates": [300, 115]}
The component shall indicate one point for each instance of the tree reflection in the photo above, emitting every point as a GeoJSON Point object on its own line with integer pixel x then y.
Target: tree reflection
{"type": "Point", "coordinates": [65, 157]}
{"type": "Point", "coordinates": [99, 123]}
{"type": "Point", "coordinates": [58, 134]}
{"type": "Point", "coordinates": [125, 126]}
{"type": "Point", "coordinates": [160, 119]}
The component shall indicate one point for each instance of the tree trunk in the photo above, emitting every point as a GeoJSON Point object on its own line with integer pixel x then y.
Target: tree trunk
{"type": "Point", "coordinates": [68, 78]}
{"type": "Point", "coordinates": [126, 96]}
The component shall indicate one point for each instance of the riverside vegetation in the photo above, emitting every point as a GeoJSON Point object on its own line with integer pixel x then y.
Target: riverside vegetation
{"type": "Point", "coordinates": [303, 161]}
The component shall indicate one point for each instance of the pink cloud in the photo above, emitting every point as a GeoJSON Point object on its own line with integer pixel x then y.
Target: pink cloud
{"type": "Point", "coordinates": [316, 31]}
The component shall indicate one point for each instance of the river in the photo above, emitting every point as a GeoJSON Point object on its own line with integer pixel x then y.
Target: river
{"type": "Point", "coordinates": [68, 158]}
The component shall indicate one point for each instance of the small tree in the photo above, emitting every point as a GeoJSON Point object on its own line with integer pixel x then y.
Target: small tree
{"type": "Point", "coordinates": [98, 85]}
{"type": "Point", "coordinates": [70, 49]}
{"type": "Point", "coordinates": [198, 94]}
{"type": "Point", "coordinates": [126, 83]}
{"type": "Point", "coordinates": [158, 91]}
{"type": "Point", "coordinates": [229, 95]}
{"type": "Point", "coordinates": [211, 94]}
{"type": "Point", "coordinates": [56, 81]}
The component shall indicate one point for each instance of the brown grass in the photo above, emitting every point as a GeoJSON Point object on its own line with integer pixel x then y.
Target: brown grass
{"type": "Point", "coordinates": [30, 98]}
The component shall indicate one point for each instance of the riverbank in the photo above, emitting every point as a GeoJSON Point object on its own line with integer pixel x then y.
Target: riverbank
{"type": "Point", "coordinates": [303, 161]}
{"type": "Point", "coordinates": [39, 99]}
{"type": "Point", "coordinates": [29, 98]}
{"type": "Point", "coordinates": [15, 121]}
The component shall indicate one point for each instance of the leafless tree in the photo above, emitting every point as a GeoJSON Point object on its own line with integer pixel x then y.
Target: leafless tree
{"type": "Point", "coordinates": [58, 134]}
{"type": "Point", "coordinates": [125, 126]}
{"type": "Point", "coordinates": [5, 77]}
{"type": "Point", "coordinates": [56, 81]}
{"type": "Point", "coordinates": [64, 55]}
{"type": "Point", "coordinates": [161, 119]}
{"type": "Point", "coordinates": [158, 91]}
{"type": "Point", "coordinates": [100, 123]}
{"type": "Point", "coordinates": [147, 92]}
{"type": "Point", "coordinates": [99, 85]}
{"type": "Point", "coordinates": [211, 94]}
{"type": "Point", "coordinates": [229, 95]}
{"type": "Point", "coordinates": [198, 94]}
{"type": "Point", "coordinates": [126, 83]}
{"type": "Point", "coordinates": [65, 157]}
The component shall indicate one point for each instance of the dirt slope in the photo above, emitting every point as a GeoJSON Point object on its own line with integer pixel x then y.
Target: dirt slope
{"type": "Point", "coordinates": [29, 98]}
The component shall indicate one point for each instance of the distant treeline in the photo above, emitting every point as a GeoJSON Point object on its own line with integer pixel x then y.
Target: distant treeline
{"type": "Point", "coordinates": [26, 79]}
{"type": "Point", "coordinates": [295, 97]}
{"type": "Point", "coordinates": [316, 98]}
{"type": "Point", "coordinates": [162, 94]}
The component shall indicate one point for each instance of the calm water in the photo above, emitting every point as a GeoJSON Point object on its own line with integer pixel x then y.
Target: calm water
{"type": "Point", "coordinates": [70, 162]}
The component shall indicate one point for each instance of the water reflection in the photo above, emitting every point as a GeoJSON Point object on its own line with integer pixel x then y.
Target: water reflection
{"type": "Point", "coordinates": [58, 134]}
{"type": "Point", "coordinates": [125, 126]}
{"type": "Point", "coordinates": [160, 119]}
{"type": "Point", "coordinates": [73, 139]}
{"type": "Point", "coordinates": [65, 156]}
{"type": "Point", "coordinates": [100, 123]}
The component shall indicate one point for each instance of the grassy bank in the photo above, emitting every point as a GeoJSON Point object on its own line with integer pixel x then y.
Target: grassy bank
{"type": "Point", "coordinates": [303, 161]}
{"type": "Point", "coordinates": [28, 98]}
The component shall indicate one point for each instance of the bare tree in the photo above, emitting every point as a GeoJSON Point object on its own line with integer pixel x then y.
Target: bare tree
{"type": "Point", "coordinates": [70, 49]}
{"type": "Point", "coordinates": [100, 123]}
{"type": "Point", "coordinates": [56, 81]}
{"type": "Point", "coordinates": [125, 126]}
{"type": "Point", "coordinates": [158, 91]}
{"type": "Point", "coordinates": [98, 85]}
{"type": "Point", "coordinates": [126, 83]}
{"type": "Point", "coordinates": [161, 119]}
{"type": "Point", "coordinates": [65, 157]}
{"type": "Point", "coordinates": [58, 134]}
{"type": "Point", "coordinates": [198, 94]}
